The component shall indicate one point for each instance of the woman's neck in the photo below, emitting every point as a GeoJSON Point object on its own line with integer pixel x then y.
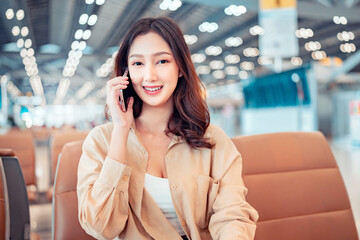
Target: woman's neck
{"type": "Point", "coordinates": [153, 119]}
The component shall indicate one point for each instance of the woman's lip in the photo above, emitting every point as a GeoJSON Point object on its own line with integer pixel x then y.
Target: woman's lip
{"type": "Point", "coordinates": [152, 92]}
{"type": "Point", "coordinates": [152, 86]}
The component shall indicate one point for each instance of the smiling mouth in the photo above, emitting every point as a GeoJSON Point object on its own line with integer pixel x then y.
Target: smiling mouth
{"type": "Point", "coordinates": [153, 89]}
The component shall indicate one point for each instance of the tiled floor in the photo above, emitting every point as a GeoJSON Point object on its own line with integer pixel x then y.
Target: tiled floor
{"type": "Point", "coordinates": [347, 157]}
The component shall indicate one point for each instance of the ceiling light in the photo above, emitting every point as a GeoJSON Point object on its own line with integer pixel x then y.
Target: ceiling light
{"type": "Point", "coordinates": [78, 54]}
{"type": "Point", "coordinates": [9, 13]}
{"type": "Point", "coordinates": [208, 27]}
{"type": "Point", "coordinates": [30, 52]}
{"type": "Point", "coordinates": [28, 43]}
{"type": "Point", "coordinates": [203, 69]}
{"type": "Point", "coordinates": [85, 90]}
{"type": "Point", "coordinates": [348, 47]}
{"type": "Point", "coordinates": [213, 50]}
{"type": "Point", "coordinates": [304, 33]}
{"type": "Point", "coordinates": [92, 20]}
{"type": "Point", "coordinates": [75, 45]}
{"type": "Point", "coordinates": [198, 57]}
{"type": "Point", "coordinates": [24, 31]}
{"type": "Point", "coordinates": [78, 34]}
{"type": "Point", "coordinates": [32, 59]}
{"type": "Point", "coordinates": [20, 43]}
{"type": "Point", "coordinates": [343, 20]}
{"type": "Point", "coordinates": [13, 90]}
{"type": "Point", "coordinates": [89, 1]}
{"type": "Point", "coordinates": [83, 19]}
{"type": "Point", "coordinates": [26, 60]}
{"type": "Point", "coordinates": [175, 4]}
{"type": "Point", "coordinates": [218, 74]}
{"type": "Point", "coordinates": [312, 46]}
{"type": "Point", "coordinates": [172, 5]}
{"type": "Point", "coordinates": [190, 39]}
{"type": "Point", "coordinates": [100, 72]}
{"type": "Point", "coordinates": [82, 45]}
{"type": "Point", "coordinates": [72, 53]}
{"type": "Point", "coordinates": [23, 52]}
{"type": "Point", "coordinates": [232, 59]}
{"type": "Point", "coordinates": [231, 70]}
{"type": "Point", "coordinates": [265, 60]}
{"type": "Point", "coordinates": [297, 61]}
{"type": "Point", "coordinates": [233, 41]}
{"type": "Point", "coordinates": [256, 30]}
{"type": "Point", "coordinates": [20, 14]}
{"type": "Point", "coordinates": [35, 71]}
{"type": "Point", "coordinates": [15, 30]}
{"type": "Point", "coordinates": [340, 20]}
{"type": "Point", "coordinates": [62, 90]}
{"type": "Point", "coordinates": [87, 34]}
{"type": "Point", "coordinates": [318, 55]}
{"type": "Point", "coordinates": [247, 66]}
{"type": "Point", "coordinates": [75, 62]}
{"type": "Point", "coordinates": [251, 52]}
{"type": "Point", "coordinates": [235, 10]}
{"type": "Point", "coordinates": [336, 20]}
{"type": "Point", "coordinates": [345, 36]}
{"type": "Point", "coordinates": [100, 2]}
{"type": "Point", "coordinates": [165, 4]}
{"type": "Point", "coordinates": [216, 64]}
{"type": "Point", "coordinates": [243, 74]}
{"type": "Point", "coordinates": [309, 32]}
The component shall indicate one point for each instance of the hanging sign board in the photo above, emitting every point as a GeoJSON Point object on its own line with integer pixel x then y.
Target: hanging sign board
{"type": "Point", "coordinates": [278, 18]}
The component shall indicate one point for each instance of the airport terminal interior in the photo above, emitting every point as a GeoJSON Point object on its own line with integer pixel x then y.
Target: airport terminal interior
{"type": "Point", "coordinates": [267, 66]}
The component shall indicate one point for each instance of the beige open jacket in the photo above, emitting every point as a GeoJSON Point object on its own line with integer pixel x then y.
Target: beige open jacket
{"type": "Point", "coordinates": [206, 187]}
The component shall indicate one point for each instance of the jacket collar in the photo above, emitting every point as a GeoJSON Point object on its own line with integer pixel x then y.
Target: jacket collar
{"type": "Point", "coordinates": [174, 139]}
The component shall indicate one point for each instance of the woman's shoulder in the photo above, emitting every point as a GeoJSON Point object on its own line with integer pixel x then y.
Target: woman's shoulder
{"type": "Point", "coordinates": [214, 132]}
{"type": "Point", "coordinates": [102, 130]}
{"type": "Point", "coordinates": [219, 137]}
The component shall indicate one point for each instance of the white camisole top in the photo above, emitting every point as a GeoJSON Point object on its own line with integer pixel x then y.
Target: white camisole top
{"type": "Point", "coordinates": [160, 192]}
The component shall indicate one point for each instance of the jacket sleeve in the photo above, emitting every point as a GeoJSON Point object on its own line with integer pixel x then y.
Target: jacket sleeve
{"type": "Point", "coordinates": [102, 189]}
{"type": "Point", "coordinates": [233, 217]}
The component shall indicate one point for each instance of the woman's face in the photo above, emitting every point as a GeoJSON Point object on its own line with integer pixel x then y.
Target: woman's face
{"type": "Point", "coordinates": [153, 70]}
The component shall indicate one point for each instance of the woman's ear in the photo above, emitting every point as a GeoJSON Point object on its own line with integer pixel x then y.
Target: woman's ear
{"type": "Point", "coordinates": [180, 74]}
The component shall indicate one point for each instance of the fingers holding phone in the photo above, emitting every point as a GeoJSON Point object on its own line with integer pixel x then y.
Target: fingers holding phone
{"type": "Point", "coordinates": [115, 100]}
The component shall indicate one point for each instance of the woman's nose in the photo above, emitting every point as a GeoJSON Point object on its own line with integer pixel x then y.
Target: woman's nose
{"type": "Point", "coordinates": [150, 73]}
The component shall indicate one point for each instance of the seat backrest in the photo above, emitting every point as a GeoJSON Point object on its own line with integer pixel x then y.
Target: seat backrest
{"type": "Point", "coordinates": [23, 145]}
{"type": "Point", "coordinates": [65, 223]}
{"type": "Point", "coordinates": [4, 202]}
{"type": "Point", "coordinates": [17, 199]}
{"type": "Point", "coordinates": [58, 140]}
{"type": "Point", "coordinates": [4, 222]}
{"type": "Point", "coordinates": [295, 185]}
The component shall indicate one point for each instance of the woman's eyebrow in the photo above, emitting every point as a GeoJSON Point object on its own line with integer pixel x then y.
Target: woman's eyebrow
{"type": "Point", "coordinates": [154, 54]}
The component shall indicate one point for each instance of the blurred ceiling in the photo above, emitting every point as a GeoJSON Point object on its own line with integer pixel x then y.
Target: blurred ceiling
{"type": "Point", "coordinates": [53, 25]}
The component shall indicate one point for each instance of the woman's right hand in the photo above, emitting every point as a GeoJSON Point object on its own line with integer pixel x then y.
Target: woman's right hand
{"type": "Point", "coordinates": [119, 118]}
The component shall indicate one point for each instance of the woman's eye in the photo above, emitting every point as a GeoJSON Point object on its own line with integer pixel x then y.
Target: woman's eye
{"type": "Point", "coordinates": [163, 61]}
{"type": "Point", "coordinates": [137, 63]}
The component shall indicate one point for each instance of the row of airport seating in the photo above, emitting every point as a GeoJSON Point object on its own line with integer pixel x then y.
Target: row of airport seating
{"type": "Point", "coordinates": [22, 142]}
{"type": "Point", "coordinates": [293, 181]}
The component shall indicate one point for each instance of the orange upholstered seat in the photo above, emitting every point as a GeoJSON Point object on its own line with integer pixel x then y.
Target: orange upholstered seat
{"type": "Point", "coordinates": [295, 185]}
{"type": "Point", "coordinates": [21, 142]}
{"type": "Point", "coordinates": [65, 223]}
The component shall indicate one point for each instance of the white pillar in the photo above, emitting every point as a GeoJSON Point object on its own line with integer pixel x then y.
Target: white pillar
{"type": "Point", "coordinates": [4, 101]}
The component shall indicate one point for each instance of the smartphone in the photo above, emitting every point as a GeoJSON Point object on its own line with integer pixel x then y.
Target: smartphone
{"type": "Point", "coordinates": [122, 99]}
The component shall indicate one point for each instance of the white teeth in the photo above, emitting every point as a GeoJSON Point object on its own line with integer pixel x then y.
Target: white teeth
{"type": "Point", "coordinates": [152, 89]}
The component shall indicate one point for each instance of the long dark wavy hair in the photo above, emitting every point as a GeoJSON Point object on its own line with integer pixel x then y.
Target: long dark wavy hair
{"type": "Point", "coordinates": [190, 117]}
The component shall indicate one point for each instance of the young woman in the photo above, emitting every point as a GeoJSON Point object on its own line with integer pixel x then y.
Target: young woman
{"type": "Point", "coordinates": [159, 170]}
